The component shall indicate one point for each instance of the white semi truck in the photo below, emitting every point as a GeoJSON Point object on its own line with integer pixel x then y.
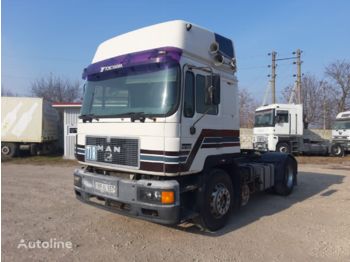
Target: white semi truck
{"type": "Point", "coordinates": [158, 133]}
{"type": "Point", "coordinates": [280, 127]}
{"type": "Point", "coordinates": [341, 134]}
{"type": "Point", "coordinates": [27, 123]}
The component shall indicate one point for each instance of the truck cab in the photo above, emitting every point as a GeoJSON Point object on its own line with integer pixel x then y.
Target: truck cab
{"type": "Point", "coordinates": [277, 126]}
{"type": "Point", "coordinates": [144, 96]}
{"type": "Point", "coordinates": [341, 134]}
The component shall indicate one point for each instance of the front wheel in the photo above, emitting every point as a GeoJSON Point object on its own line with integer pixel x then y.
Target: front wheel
{"type": "Point", "coordinates": [337, 150]}
{"type": "Point", "coordinates": [283, 148]}
{"type": "Point", "coordinates": [217, 200]}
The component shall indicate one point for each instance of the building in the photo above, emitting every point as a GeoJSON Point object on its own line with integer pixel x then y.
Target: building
{"type": "Point", "coordinates": [70, 113]}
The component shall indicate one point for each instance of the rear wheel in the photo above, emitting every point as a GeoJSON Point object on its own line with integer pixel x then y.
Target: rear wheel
{"type": "Point", "coordinates": [283, 148]}
{"type": "Point", "coordinates": [217, 200]}
{"type": "Point", "coordinates": [337, 150]}
{"type": "Point", "coordinates": [285, 187]}
{"type": "Point", "coordinates": [8, 150]}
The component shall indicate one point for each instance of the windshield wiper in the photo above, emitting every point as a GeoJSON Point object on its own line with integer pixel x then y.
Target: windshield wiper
{"type": "Point", "coordinates": [88, 117]}
{"type": "Point", "coordinates": [136, 116]}
{"type": "Point", "coordinates": [133, 116]}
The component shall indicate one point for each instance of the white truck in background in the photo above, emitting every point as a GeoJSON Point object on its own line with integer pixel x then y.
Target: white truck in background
{"type": "Point", "coordinates": [158, 135]}
{"type": "Point", "coordinates": [27, 123]}
{"type": "Point", "coordinates": [280, 127]}
{"type": "Point", "coordinates": [341, 134]}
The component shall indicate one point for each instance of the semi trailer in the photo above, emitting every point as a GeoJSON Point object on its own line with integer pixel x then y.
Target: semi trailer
{"type": "Point", "coordinates": [27, 123]}
{"type": "Point", "coordinates": [158, 134]}
{"type": "Point", "coordinates": [280, 128]}
{"type": "Point", "coordinates": [341, 134]}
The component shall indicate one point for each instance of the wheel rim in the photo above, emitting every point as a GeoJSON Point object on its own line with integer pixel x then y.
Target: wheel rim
{"type": "Point", "coordinates": [5, 150]}
{"type": "Point", "coordinates": [337, 150]}
{"type": "Point", "coordinates": [220, 200]}
{"type": "Point", "coordinates": [290, 177]}
{"type": "Point", "coordinates": [283, 149]}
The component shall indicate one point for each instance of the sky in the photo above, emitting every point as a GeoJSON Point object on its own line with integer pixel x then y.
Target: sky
{"type": "Point", "coordinates": [40, 37]}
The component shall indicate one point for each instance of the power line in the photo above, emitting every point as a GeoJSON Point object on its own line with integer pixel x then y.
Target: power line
{"type": "Point", "coordinates": [273, 72]}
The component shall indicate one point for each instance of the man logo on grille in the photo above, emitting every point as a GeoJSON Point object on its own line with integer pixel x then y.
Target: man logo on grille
{"type": "Point", "coordinates": [108, 157]}
{"type": "Point", "coordinates": [108, 148]}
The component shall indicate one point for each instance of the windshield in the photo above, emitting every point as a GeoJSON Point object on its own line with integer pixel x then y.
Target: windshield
{"type": "Point", "coordinates": [149, 90]}
{"type": "Point", "coordinates": [341, 124]}
{"type": "Point", "coordinates": [264, 118]}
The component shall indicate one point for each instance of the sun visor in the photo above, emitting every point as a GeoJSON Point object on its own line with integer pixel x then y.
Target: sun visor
{"type": "Point", "coordinates": [159, 55]}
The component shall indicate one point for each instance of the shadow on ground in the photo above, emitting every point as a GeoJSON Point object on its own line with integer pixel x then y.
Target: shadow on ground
{"type": "Point", "coordinates": [266, 204]}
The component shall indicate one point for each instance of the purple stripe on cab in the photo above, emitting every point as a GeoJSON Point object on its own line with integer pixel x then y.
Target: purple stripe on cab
{"type": "Point", "coordinates": [158, 55]}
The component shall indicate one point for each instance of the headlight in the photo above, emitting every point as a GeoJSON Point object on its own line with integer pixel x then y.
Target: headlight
{"type": "Point", "coordinates": [77, 181]}
{"type": "Point", "coordinates": [156, 196]}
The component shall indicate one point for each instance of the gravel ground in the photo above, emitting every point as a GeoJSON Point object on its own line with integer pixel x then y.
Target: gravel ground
{"type": "Point", "coordinates": [312, 224]}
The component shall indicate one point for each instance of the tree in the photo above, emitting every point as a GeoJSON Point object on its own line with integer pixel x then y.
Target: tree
{"type": "Point", "coordinates": [55, 89]}
{"type": "Point", "coordinates": [317, 96]}
{"type": "Point", "coordinates": [339, 73]}
{"type": "Point", "coordinates": [247, 108]}
{"type": "Point", "coordinates": [7, 92]}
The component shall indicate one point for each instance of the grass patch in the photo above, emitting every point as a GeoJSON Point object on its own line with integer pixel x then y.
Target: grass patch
{"type": "Point", "coordinates": [41, 160]}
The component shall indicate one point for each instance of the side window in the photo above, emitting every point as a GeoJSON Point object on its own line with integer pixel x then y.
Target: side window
{"type": "Point", "coordinates": [201, 107]}
{"type": "Point", "coordinates": [282, 117]}
{"type": "Point", "coordinates": [189, 95]}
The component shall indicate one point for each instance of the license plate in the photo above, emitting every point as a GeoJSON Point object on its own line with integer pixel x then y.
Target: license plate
{"type": "Point", "coordinates": [105, 188]}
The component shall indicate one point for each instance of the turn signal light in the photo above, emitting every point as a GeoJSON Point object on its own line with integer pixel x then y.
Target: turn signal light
{"type": "Point", "coordinates": [168, 197]}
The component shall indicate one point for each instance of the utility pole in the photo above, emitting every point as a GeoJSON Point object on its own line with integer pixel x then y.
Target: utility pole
{"type": "Point", "coordinates": [273, 66]}
{"type": "Point", "coordinates": [324, 104]}
{"type": "Point", "coordinates": [298, 62]}
{"type": "Point", "coordinates": [273, 76]}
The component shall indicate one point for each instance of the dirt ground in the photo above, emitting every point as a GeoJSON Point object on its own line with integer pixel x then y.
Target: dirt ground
{"type": "Point", "coordinates": [312, 224]}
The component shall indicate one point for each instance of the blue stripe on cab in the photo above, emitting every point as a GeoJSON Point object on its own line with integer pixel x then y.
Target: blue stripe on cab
{"type": "Point", "coordinates": [163, 159]}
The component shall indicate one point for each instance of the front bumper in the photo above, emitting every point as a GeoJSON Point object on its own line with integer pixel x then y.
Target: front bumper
{"type": "Point", "coordinates": [125, 200]}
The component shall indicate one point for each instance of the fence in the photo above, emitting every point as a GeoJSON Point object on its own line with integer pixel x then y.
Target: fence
{"type": "Point", "coordinates": [246, 136]}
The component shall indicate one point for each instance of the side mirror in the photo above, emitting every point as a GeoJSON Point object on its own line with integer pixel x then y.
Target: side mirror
{"type": "Point", "coordinates": [212, 90]}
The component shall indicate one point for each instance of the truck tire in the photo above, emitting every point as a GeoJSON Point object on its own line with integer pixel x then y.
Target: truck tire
{"type": "Point", "coordinates": [285, 187]}
{"type": "Point", "coordinates": [217, 200]}
{"type": "Point", "coordinates": [337, 150]}
{"type": "Point", "coordinates": [8, 150]}
{"type": "Point", "coordinates": [283, 148]}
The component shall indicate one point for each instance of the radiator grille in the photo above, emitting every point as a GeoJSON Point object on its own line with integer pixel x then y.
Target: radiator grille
{"type": "Point", "coordinates": [261, 139]}
{"type": "Point", "coordinates": [112, 150]}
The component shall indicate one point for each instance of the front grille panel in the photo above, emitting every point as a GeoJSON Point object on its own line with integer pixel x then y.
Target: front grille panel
{"type": "Point", "coordinates": [112, 150]}
{"type": "Point", "coordinates": [261, 139]}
